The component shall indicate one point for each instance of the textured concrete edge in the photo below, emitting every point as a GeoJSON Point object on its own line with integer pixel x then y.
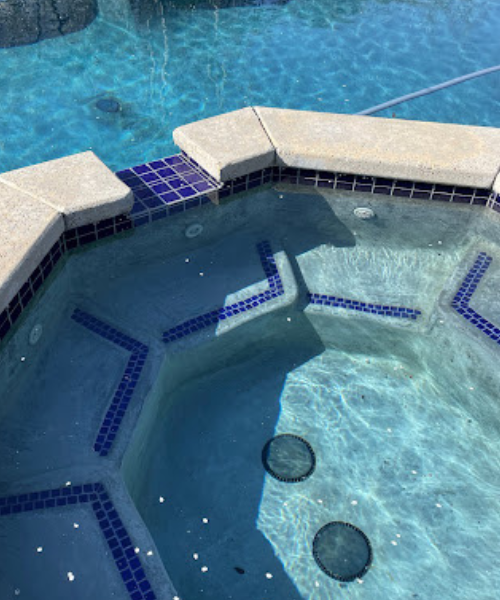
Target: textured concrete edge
{"type": "Point", "coordinates": [229, 145]}
{"type": "Point", "coordinates": [21, 265]}
{"type": "Point", "coordinates": [415, 150]}
{"type": "Point", "coordinates": [496, 184]}
{"type": "Point", "coordinates": [430, 152]}
{"type": "Point", "coordinates": [80, 186]}
{"type": "Point", "coordinates": [93, 205]}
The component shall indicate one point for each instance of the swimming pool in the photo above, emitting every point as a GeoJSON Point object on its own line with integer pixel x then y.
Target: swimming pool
{"type": "Point", "coordinates": [168, 64]}
{"type": "Point", "coordinates": [397, 405]}
{"type": "Point", "coordinates": [146, 378]}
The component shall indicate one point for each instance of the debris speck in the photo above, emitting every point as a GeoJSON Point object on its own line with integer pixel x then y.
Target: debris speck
{"type": "Point", "coordinates": [71, 576]}
{"type": "Point", "coordinates": [269, 575]}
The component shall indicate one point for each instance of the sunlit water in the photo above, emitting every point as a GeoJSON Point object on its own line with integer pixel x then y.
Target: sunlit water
{"type": "Point", "coordinates": [168, 64]}
{"type": "Point", "coordinates": [407, 451]}
{"type": "Point", "coordinates": [404, 424]}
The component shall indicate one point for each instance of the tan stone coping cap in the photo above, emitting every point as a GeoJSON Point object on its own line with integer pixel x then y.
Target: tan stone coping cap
{"type": "Point", "coordinates": [459, 155]}
{"type": "Point", "coordinates": [38, 203]}
{"type": "Point", "coordinates": [81, 187]}
{"type": "Point", "coordinates": [229, 145]}
{"type": "Point", "coordinates": [496, 184]}
{"type": "Point", "coordinates": [28, 230]}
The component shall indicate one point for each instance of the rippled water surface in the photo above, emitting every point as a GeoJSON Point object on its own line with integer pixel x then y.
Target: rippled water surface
{"type": "Point", "coordinates": [174, 62]}
{"type": "Point", "coordinates": [406, 449]}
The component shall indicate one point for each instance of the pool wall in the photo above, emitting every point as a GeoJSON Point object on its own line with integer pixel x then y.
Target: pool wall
{"type": "Point", "coordinates": [287, 208]}
{"type": "Point", "coordinates": [66, 203]}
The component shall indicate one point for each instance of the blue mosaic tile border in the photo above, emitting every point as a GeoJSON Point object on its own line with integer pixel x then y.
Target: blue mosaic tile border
{"type": "Point", "coordinates": [357, 183]}
{"type": "Point", "coordinates": [112, 527]}
{"type": "Point", "coordinates": [383, 310]}
{"type": "Point", "coordinates": [167, 186]}
{"type": "Point", "coordinates": [221, 314]}
{"type": "Point", "coordinates": [494, 202]}
{"type": "Point", "coordinates": [462, 298]}
{"type": "Point", "coordinates": [124, 391]}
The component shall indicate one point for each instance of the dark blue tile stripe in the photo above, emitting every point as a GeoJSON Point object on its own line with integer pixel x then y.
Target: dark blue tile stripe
{"type": "Point", "coordinates": [472, 279]}
{"type": "Point", "coordinates": [366, 307]}
{"type": "Point", "coordinates": [357, 183]}
{"type": "Point", "coordinates": [123, 394]}
{"type": "Point", "coordinates": [464, 295]}
{"type": "Point", "coordinates": [110, 523]}
{"type": "Point", "coordinates": [221, 314]}
{"type": "Point", "coordinates": [73, 238]}
{"type": "Point", "coordinates": [494, 201]}
{"type": "Point", "coordinates": [166, 186]}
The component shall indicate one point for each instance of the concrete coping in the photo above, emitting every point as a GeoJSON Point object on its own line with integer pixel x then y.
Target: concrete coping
{"type": "Point", "coordinates": [240, 142]}
{"type": "Point", "coordinates": [229, 145]}
{"type": "Point", "coordinates": [38, 203]}
{"type": "Point", "coordinates": [496, 184]}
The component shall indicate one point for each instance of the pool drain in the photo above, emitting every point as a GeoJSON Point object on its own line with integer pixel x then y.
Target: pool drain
{"type": "Point", "coordinates": [342, 551]}
{"type": "Point", "coordinates": [35, 334]}
{"type": "Point", "coordinates": [288, 458]}
{"type": "Point", "coordinates": [108, 105]}
{"type": "Point", "coordinates": [194, 230]}
{"type": "Point", "coordinates": [364, 213]}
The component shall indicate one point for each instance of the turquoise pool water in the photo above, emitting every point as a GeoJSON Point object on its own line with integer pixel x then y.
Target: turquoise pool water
{"type": "Point", "coordinates": [169, 64]}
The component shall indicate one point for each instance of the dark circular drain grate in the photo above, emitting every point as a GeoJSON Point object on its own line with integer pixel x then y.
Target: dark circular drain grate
{"type": "Point", "coordinates": [289, 458]}
{"type": "Point", "coordinates": [342, 551]}
{"type": "Point", "coordinates": [109, 105]}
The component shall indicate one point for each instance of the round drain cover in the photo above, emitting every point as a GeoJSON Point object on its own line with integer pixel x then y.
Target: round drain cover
{"type": "Point", "coordinates": [109, 105]}
{"type": "Point", "coordinates": [342, 551]}
{"type": "Point", "coordinates": [289, 458]}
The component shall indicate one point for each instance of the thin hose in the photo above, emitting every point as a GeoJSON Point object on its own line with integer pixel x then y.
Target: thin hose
{"type": "Point", "coordinates": [429, 90]}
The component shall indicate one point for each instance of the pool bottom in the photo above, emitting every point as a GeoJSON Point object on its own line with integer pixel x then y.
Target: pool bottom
{"type": "Point", "coordinates": [57, 395]}
{"type": "Point", "coordinates": [393, 441]}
